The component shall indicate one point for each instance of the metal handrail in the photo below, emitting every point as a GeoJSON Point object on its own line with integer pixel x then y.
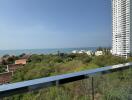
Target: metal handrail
{"type": "Point", "coordinates": [36, 84]}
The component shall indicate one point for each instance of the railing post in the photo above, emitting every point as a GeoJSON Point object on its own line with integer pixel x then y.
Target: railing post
{"type": "Point", "coordinates": [57, 83]}
{"type": "Point", "coordinates": [92, 88]}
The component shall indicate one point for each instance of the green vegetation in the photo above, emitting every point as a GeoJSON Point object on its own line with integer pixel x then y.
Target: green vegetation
{"type": "Point", "coordinates": [115, 86]}
{"type": "Point", "coordinates": [2, 68]}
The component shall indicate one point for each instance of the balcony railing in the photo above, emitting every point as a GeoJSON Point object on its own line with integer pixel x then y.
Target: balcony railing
{"type": "Point", "coordinates": [36, 84]}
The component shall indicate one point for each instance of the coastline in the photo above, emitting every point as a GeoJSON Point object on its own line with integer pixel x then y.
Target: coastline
{"type": "Point", "coordinates": [43, 51]}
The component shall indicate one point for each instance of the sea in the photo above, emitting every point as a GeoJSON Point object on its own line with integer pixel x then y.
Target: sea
{"type": "Point", "coordinates": [43, 51]}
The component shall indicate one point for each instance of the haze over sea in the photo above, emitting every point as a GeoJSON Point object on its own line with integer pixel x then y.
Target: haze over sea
{"type": "Point", "coordinates": [43, 51]}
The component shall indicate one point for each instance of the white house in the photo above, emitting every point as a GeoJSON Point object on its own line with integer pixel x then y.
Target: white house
{"type": "Point", "coordinates": [74, 51]}
{"type": "Point", "coordinates": [99, 53]}
{"type": "Point", "coordinates": [89, 53]}
{"type": "Point", "coordinates": [81, 51]}
{"type": "Point", "coordinates": [111, 51]}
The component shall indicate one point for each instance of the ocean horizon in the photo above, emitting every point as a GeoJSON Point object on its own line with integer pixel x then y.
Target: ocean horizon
{"type": "Point", "coordinates": [43, 51]}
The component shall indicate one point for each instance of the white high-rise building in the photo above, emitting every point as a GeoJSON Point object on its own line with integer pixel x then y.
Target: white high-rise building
{"type": "Point", "coordinates": [122, 27]}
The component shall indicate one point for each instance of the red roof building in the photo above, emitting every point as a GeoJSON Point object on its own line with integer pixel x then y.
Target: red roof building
{"type": "Point", "coordinates": [21, 61]}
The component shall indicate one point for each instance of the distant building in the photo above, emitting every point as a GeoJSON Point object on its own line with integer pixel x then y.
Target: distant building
{"type": "Point", "coordinates": [82, 51]}
{"type": "Point", "coordinates": [5, 77]}
{"type": "Point", "coordinates": [14, 67]}
{"type": "Point", "coordinates": [89, 53]}
{"type": "Point", "coordinates": [21, 61]}
{"type": "Point", "coordinates": [74, 51]}
{"type": "Point", "coordinates": [99, 53]}
{"type": "Point", "coordinates": [111, 51]}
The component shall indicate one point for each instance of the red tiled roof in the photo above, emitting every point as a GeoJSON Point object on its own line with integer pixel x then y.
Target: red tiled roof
{"type": "Point", "coordinates": [21, 61]}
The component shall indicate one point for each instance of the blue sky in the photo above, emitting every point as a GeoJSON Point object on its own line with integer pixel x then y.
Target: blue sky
{"type": "Point", "coordinates": [35, 24]}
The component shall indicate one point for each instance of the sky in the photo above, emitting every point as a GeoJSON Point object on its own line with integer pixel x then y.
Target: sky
{"type": "Point", "coordinates": [36, 24]}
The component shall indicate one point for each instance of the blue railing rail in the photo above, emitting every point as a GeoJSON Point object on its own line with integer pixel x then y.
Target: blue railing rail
{"type": "Point", "coordinates": [36, 84]}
